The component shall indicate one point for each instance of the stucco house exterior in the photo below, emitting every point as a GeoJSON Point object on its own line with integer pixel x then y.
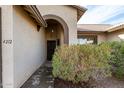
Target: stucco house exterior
{"type": "Point", "coordinates": [97, 33]}
{"type": "Point", "coordinates": [29, 34]}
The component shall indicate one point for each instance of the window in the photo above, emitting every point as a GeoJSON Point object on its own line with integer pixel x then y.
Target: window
{"type": "Point", "coordinates": [87, 39]}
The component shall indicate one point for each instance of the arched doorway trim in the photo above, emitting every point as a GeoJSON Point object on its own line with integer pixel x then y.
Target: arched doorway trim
{"type": "Point", "coordinates": [62, 22]}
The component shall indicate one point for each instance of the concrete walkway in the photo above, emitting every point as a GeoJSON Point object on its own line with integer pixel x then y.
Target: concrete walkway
{"type": "Point", "coordinates": [42, 78]}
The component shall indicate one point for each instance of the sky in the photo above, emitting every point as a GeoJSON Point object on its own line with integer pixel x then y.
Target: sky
{"type": "Point", "coordinates": [103, 14]}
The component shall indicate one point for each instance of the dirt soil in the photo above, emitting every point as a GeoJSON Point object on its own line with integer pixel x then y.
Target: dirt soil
{"type": "Point", "coordinates": [110, 82]}
{"type": "Point", "coordinates": [59, 83]}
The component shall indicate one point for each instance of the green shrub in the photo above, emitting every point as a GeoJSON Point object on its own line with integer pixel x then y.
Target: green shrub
{"type": "Point", "coordinates": [117, 59]}
{"type": "Point", "coordinates": [80, 63]}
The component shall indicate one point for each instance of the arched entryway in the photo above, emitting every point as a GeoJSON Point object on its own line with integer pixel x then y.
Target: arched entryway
{"type": "Point", "coordinates": [63, 24]}
{"type": "Point", "coordinates": [56, 33]}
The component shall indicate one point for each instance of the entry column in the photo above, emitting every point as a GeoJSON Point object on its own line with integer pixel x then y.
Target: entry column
{"type": "Point", "coordinates": [7, 47]}
{"type": "Point", "coordinates": [0, 52]}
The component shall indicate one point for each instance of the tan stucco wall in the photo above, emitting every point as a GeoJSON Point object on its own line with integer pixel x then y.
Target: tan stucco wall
{"type": "Point", "coordinates": [101, 38]}
{"type": "Point", "coordinates": [29, 46]}
{"type": "Point", "coordinates": [68, 14]}
{"type": "Point", "coordinates": [60, 29]}
{"type": "Point", "coordinates": [113, 36]}
{"type": "Point", "coordinates": [7, 49]}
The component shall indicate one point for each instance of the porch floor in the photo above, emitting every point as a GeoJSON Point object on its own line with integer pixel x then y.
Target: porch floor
{"type": "Point", "coordinates": [42, 78]}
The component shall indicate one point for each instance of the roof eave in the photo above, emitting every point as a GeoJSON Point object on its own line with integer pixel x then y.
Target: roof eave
{"type": "Point", "coordinates": [115, 28]}
{"type": "Point", "coordinates": [80, 10]}
{"type": "Point", "coordinates": [34, 12]}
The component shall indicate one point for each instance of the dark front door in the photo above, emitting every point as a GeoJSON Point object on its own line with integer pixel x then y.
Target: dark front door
{"type": "Point", "coordinates": [0, 52]}
{"type": "Point", "coordinates": [51, 45]}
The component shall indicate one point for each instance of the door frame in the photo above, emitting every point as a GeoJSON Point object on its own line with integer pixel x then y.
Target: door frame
{"type": "Point", "coordinates": [47, 46]}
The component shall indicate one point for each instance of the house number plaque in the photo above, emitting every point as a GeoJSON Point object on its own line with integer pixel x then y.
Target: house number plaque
{"type": "Point", "coordinates": [7, 41]}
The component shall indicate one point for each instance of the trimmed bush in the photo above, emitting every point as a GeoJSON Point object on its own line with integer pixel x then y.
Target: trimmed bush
{"type": "Point", "coordinates": [80, 63]}
{"type": "Point", "coordinates": [117, 59]}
